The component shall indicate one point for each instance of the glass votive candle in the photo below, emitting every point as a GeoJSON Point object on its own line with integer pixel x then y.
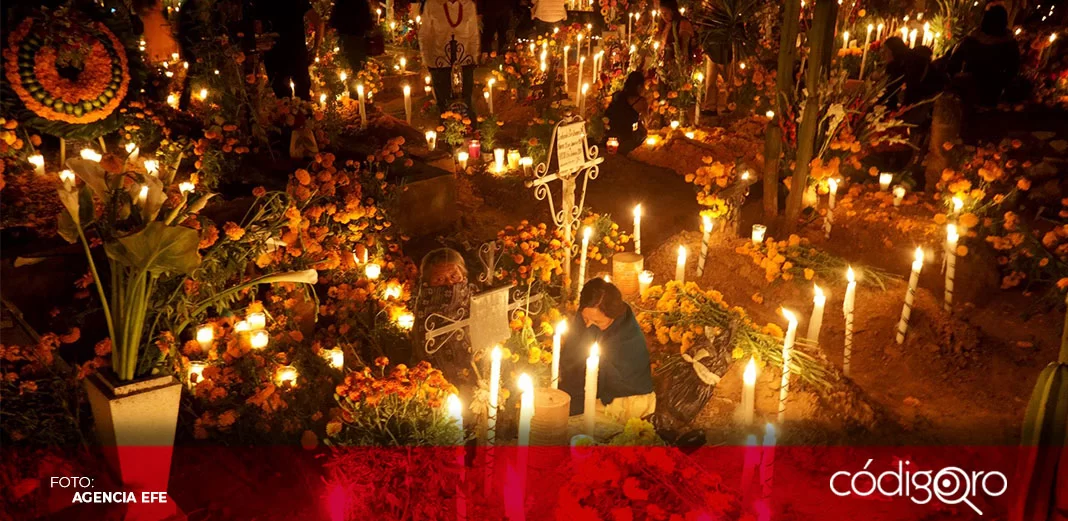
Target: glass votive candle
{"type": "Point", "coordinates": [527, 163]}
{"type": "Point", "coordinates": [884, 181]}
{"type": "Point", "coordinates": [899, 194]}
{"type": "Point", "coordinates": [256, 321]}
{"type": "Point", "coordinates": [242, 327]}
{"type": "Point", "coordinates": [674, 124]}
{"type": "Point", "coordinates": [335, 357]}
{"type": "Point", "coordinates": [690, 134]}
{"type": "Point", "coordinates": [196, 373]}
{"type": "Point", "coordinates": [612, 145]}
{"type": "Point", "coordinates": [259, 339]}
{"type": "Point", "coordinates": [513, 159]}
{"type": "Point", "coordinates": [645, 279]}
{"type": "Point", "coordinates": [474, 149]}
{"type": "Point", "coordinates": [406, 321]}
{"type": "Point", "coordinates": [461, 158]}
{"type": "Point", "coordinates": [431, 140]}
{"type": "Point", "coordinates": [205, 334]}
{"type": "Point", "coordinates": [38, 162]}
{"type": "Point", "coordinates": [652, 140]}
{"type": "Point", "coordinates": [758, 233]}
{"type": "Point", "coordinates": [372, 271]}
{"type": "Point", "coordinates": [498, 160]}
{"type": "Point", "coordinates": [286, 374]}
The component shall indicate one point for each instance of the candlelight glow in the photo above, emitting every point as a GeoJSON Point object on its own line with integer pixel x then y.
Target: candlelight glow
{"type": "Point", "coordinates": [770, 114]}
{"type": "Point", "coordinates": [951, 234]}
{"type": "Point", "coordinates": [130, 147]}
{"type": "Point", "coordinates": [651, 140]}
{"type": "Point", "coordinates": [453, 405]}
{"type": "Point", "coordinates": [203, 94]}
{"type": "Point", "coordinates": [205, 334]}
{"type": "Point", "coordinates": [393, 291]}
{"type": "Point", "coordinates": [586, 232]}
{"type": "Point", "coordinates": [560, 329]}
{"type": "Point", "coordinates": [832, 186]}
{"type": "Point", "coordinates": [749, 376]}
{"type": "Point", "coordinates": [38, 162]}
{"type": "Point", "coordinates": [142, 195]}
{"type": "Point", "coordinates": [286, 374]}
{"type": "Point", "coordinates": [674, 123]}
{"type": "Point", "coordinates": [819, 292]}
{"type": "Point", "coordinates": [958, 204]}
{"type": "Point", "coordinates": [90, 155]}
{"type": "Point", "coordinates": [595, 350]}
{"type": "Point", "coordinates": [525, 383]}
{"type": "Point", "coordinates": [850, 276]}
{"type": "Point", "coordinates": [196, 369]}
{"type": "Point", "coordinates": [789, 315]}
{"type": "Point", "coordinates": [918, 255]}
{"type": "Point", "coordinates": [707, 222]}
{"type": "Point", "coordinates": [186, 187]}
{"type": "Point", "coordinates": [67, 177]}
{"type": "Point", "coordinates": [406, 321]}
{"type": "Point", "coordinates": [259, 339]}
{"type": "Point", "coordinates": [152, 166]}
{"type": "Point", "coordinates": [372, 271]}
{"type": "Point", "coordinates": [242, 327]}
{"type": "Point", "coordinates": [257, 320]}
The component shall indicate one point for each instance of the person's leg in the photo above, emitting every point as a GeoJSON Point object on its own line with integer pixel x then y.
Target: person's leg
{"type": "Point", "coordinates": [468, 79]}
{"type": "Point", "coordinates": [441, 78]}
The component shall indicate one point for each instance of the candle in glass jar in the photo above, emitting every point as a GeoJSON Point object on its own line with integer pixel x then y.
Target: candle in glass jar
{"type": "Point", "coordinates": [589, 412]}
{"type": "Point", "coordinates": [256, 320]}
{"type": "Point", "coordinates": [815, 323]}
{"type": "Point", "coordinates": [372, 271]}
{"type": "Point", "coordinates": [474, 149]}
{"type": "Point", "coordinates": [612, 144]}
{"type": "Point", "coordinates": [431, 140]}
{"type": "Point", "coordinates": [758, 234]}
{"type": "Point", "coordinates": [680, 265]}
{"type": "Point", "coordinates": [885, 179]}
{"type": "Point", "coordinates": [286, 376]}
{"type": "Point", "coordinates": [259, 339]}
{"type": "Point", "coordinates": [906, 311]}
{"type": "Point", "coordinates": [498, 160]}
{"type": "Point", "coordinates": [461, 158]}
{"type": "Point", "coordinates": [38, 162]}
{"type": "Point", "coordinates": [899, 195]}
{"type": "Point", "coordinates": [196, 373]}
{"type": "Point", "coordinates": [645, 279]}
{"type": "Point", "coordinates": [205, 335]}
{"type": "Point", "coordinates": [336, 357]}
{"type": "Point", "coordinates": [513, 159]}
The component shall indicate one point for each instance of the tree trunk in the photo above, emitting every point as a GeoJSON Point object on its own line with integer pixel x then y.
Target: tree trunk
{"type": "Point", "coordinates": [821, 40]}
{"type": "Point", "coordinates": [945, 127]}
{"type": "Point", "coordinates": [784, 86]}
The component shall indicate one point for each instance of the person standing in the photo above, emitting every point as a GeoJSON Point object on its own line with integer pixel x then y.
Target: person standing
{"type": "Point", "coordinates": [353, 22]}
{"type": "Point", "coordinates": [988, 59]}
{"type": "Point", "coordinates": [546, 14]}
{"type": "Point", "coordinates": [626, 113]}
{"type": "Point", "coordinates": [449, 37]}
{"type": "Point", "coordinates": [288, 59]}
{"type": "Point", "coordinates": [496, 20]}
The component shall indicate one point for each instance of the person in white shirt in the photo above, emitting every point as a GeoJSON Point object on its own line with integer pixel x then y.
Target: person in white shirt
{"type": "Point", "coordinates": [546, 14]}
{"type": "Point", "coordinates": [448, 37]}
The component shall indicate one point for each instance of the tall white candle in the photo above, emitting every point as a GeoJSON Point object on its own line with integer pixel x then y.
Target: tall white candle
{"type": "Point", "coordinates": [847, 309]}
{"type": "Point", "coordinates": [706, 230]}
{"type": "Point", "coordinates": [906, 311]}
{"type": "Point", "coordinates": [951, 264]}
{"type": "Point", "coordinates": [819, 301]}
{"type": "Point", "coordinates": [578, 53]}
{"type": "Point", "coordinates": [567, 48]}
{"type": "Point", "coordinates": [767, 461]}
{"type": "Point", "coordinates": [828, 220]}
{"type": "Point", "coordinates": [749, 392]}
{"type": "Point", "coordinates": [864, 54]}
{"type": "Point", "coordinates": [630, 24]}
{"type": "Point", "coordinates": [586, 232]}
{"type": "Point", "coordinates": [526, 408]}
{"type": "Point", "coordinates": [700, 80]}
{"type": "Point", "coordinates": [750, 461]}
{"type": "Point", "coordinates": [589, 411]}
{"type": "Point", "coordinates": [680, 265]}
{"type": "Point", "coordinates": [408, 104]}
{"type": "Point", "coordinates": [582, 97]}
{"type": "Point", "coordinates": [638, 229]}
{"type": "Point", "coordinates": [494, 393]}
{"type": "Point", "coordinates": [912, 38]}
{"type": "Point", "coordinates": [558, 333]}
{"type": "Point", "coordinates": [879, 31]}
{"type": "Point", "coordinates": [363, 105]}
{"type": "Point", "coordinates": [787, 347]}
{"type": "Point", "coordinates": [498, 160]}
{"type": "Point", "coordinates": [489, 93]}
{"type": "Point", "coordinates": [456, 413]}
{"type": "Point", "coordinates": [580, 60]}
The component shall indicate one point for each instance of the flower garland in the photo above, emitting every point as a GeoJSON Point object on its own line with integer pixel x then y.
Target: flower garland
{"type": "Point", "coordinates": [32, 65]}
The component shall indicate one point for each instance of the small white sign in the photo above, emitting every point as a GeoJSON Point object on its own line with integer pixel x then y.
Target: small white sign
{"type": "Point", "coordinates": [571, 147]}
{"type": "Point", "coordinates": [489, 319]}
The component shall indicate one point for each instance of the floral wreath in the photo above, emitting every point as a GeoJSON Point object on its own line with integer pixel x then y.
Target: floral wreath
{"type": "Point", "coordinates": [81, 80]}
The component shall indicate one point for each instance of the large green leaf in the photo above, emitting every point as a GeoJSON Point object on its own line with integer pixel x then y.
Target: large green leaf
{"type": "Point", "coordinates": [158, 249]}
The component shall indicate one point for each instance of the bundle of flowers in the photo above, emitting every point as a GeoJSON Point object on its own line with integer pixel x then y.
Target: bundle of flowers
{"type": "Point", "coordinates": [454, 129]}
{"type": "Point", "coordinates": [534, 252]}
{"type": "Point", "coordinates": [795, 258]}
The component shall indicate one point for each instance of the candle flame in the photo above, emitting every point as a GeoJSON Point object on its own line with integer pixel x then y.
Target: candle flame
{"type": "Point", "coordinates": [707, 221]}
{"type": "Point", "coordinates": [682, 252]}
{"type": "Point", "coordinates": [205, 334]}
{"type": "Point", "coordinates": [454, 405]}
{"type": "Point", "coordinates": [749, 376]}
{"type": "Point", "coordinates": [958, 204]}
{"type": "Point", "coordinates": [951, 234]}
{"type": "Point", "coordinates": [407, 90]}
{"type": "Point", "coordinates": [819, 291]}
{"type": "Point", "coordinates": [637, 211]}
{"type": "Point", "coordinates": [561, 328]}
{"type": "Point", "coordinates": [495, 354]}
{"type": "Point", "coordinates": [586, 232]}
{"type": "Point", "coordinates": [832, 185]}
{"type": "Point", "coordinates": [789, 315]}
{"type": "Point", "coordinates": [595, 350]}
{"type": "Point", "coordinates": [850, 276]}
{"type": "Point", "coordinates": [525, 383]}
{"type": "Point", "coordinates": [918, 255]}
{"type": "Point", "coordinates": [770, 114]}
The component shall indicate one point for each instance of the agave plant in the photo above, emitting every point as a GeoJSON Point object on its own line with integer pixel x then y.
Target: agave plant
{"type": "Point", "coordinates": [145, 250]}
{"type": "Point", "coordinates": [730, 29]}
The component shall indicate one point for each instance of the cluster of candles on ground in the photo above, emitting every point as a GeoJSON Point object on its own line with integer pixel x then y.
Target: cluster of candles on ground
{"type": "Point", "coordinates": [151, 166]}
{"type": "Point", "coordinates": [909, 28]}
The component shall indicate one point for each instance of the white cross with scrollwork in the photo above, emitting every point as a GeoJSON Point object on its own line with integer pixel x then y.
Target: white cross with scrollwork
{"type": "Point", "coordinates": [575, 158]}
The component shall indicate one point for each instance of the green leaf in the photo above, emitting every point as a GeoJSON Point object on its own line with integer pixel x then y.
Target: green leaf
{"type": "Point", "coordinates": [158, 249]}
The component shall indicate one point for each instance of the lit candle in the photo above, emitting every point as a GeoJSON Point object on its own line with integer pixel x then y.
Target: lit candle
{"type": "Point", "coordinates": [527, 163]}
{"type": "Point", "coordinates": [906, 312]}
{"type": "Point", "coordinates": [558, 333]}
{"type": "Point", "coordinates": [845, 40]}
{"type": "Point", "coordinates": [749, 392]}
{"type": "Point", "coordinates": [403, 64]}
{"type": "Point", "coordinates": [489, 93]}
{"type": "Point", "coordinates": [151, 166]}
{"type": "Point", "coordinates": [675, 124]}
{"type": "Point", "coordinates": [406, 321]}
{"type": "Point", "coordinates": [706, 230]}
{"type": "Point", "coordinates": [257, 320]}
{"type": "Point", "coordinates": [630, 24]}
{"type": "Point", "coordinates": [431, 140]}
{"type": "Point", "coordinates": [958, 205]}
{"type": "Point", "coordinates": [828, 220]}
{"type": "Point", "coordinates": [758, 234]}
{"type": "Point", "coordinates": [67, 177]}
{"type": "Point", "coordinates": [461, 158]}
{"type": "Point", "coordinates": [767, 464]}
{"type": "Point", "coordinates": [363, 105]}
{"type": "Point", "coordinates": [638, 229]}
{"type": "Point", "coordinates": [567, 48]}
{"type": "Point", "coordinates": [700, 77]}
{"type": "Point", "coordinates": [816, 322]}
{"type": "Point", "coordinates": [680, 265]}
{"type": "Point", "coordinates": [578, 53]}
{"type": "Point", "coordinates": [612, 144]}
{"type": "Point", "coordinates": [526, 408]}
{"type": "Point", "coordinates": [456, 414]}
{"type": "Point", "coordinates": [951, 264]}
{"type": "Point", "coordinates": [513, 159]}
{"type": "Point", "coordinates": [847, 309]}
{"type": "Point", "coordinates": [589, 411]}
{"type": "Point", "coordinates": [90, 155]}
{"type": "Point", "coordinates": [582, 257]}
{"type": "Point", "coordinates": [581, 60]}
{"type": "Point", "coordinates": [37, 160]}
{"type": "Point", "coordinates": [142, 195]}
{"type": "Point", "coordinates": [259, 339]}
{"type": "Point", "coordinates": [203, 94]}
{"type": "Point", "coordinates": [494, 393]}
{"type": "Point", "coordinates": [242, 327]}
{"type": "Point", "coordinates": [131, 151]}
{"type": "Point", "coordinates": [899, 195]}
{"type": "Point", "coordinates": [912, 38]}
{"type": "Point", "coordinates": [905, 33]}
{"type": "Point", "coordinates": [787, 346]}
{"type": "Point", "coordinates": [408, 103]}
{"type": "Point", "coordinates": [879, 31]}
{"type": "Point", "coordinates": [336, 357]}
{"type": "Point", "coordinates": [498, 160]}
{"type": "Point", "coordinates": [474, 149]}
{"type": "Point", "coordinates": [372, 271]}
{"type": "Point", "coordinates": [196, 369]}
{"type": "Point", "coordinates": [205, 334]}
{"type": "Point", "coordinates": [292, 89]}
{"type": "Point", "coordinates": [582, 98]}
{"type": "Point", "coordinates": [286, 376]}
{"type": "Point", "coordinates": [344, 76]}
{"type": "Point", "coordinates": [645, 279]}
{"type": "Point", "coordinates": [864, 53]}
{"type": "Point", "coordinates": [884, 181]}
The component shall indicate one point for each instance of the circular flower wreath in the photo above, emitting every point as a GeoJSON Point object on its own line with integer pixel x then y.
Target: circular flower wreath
{"type": "Point", "coordinates": [32, 66]}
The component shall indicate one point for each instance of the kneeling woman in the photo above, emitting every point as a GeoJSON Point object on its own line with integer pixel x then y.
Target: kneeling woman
{"type": "Point", "coordinates": [624, 379]}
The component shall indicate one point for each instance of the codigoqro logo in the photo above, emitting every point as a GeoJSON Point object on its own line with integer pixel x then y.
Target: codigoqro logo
{"type": "Point", "coordinates": [950, 485]}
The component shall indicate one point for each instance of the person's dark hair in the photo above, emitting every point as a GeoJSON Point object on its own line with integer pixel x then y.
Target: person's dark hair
{"type": "Point", "coordinates": [897, 47]}
{"type": "Point", "coordinates": [995, 21]}
{"type": "Point", "coordinates": [632, 86]}
{"type": "Point", "coordinates": [670, 5]}
{"type": "Point", "coordinates": [602, 295]}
